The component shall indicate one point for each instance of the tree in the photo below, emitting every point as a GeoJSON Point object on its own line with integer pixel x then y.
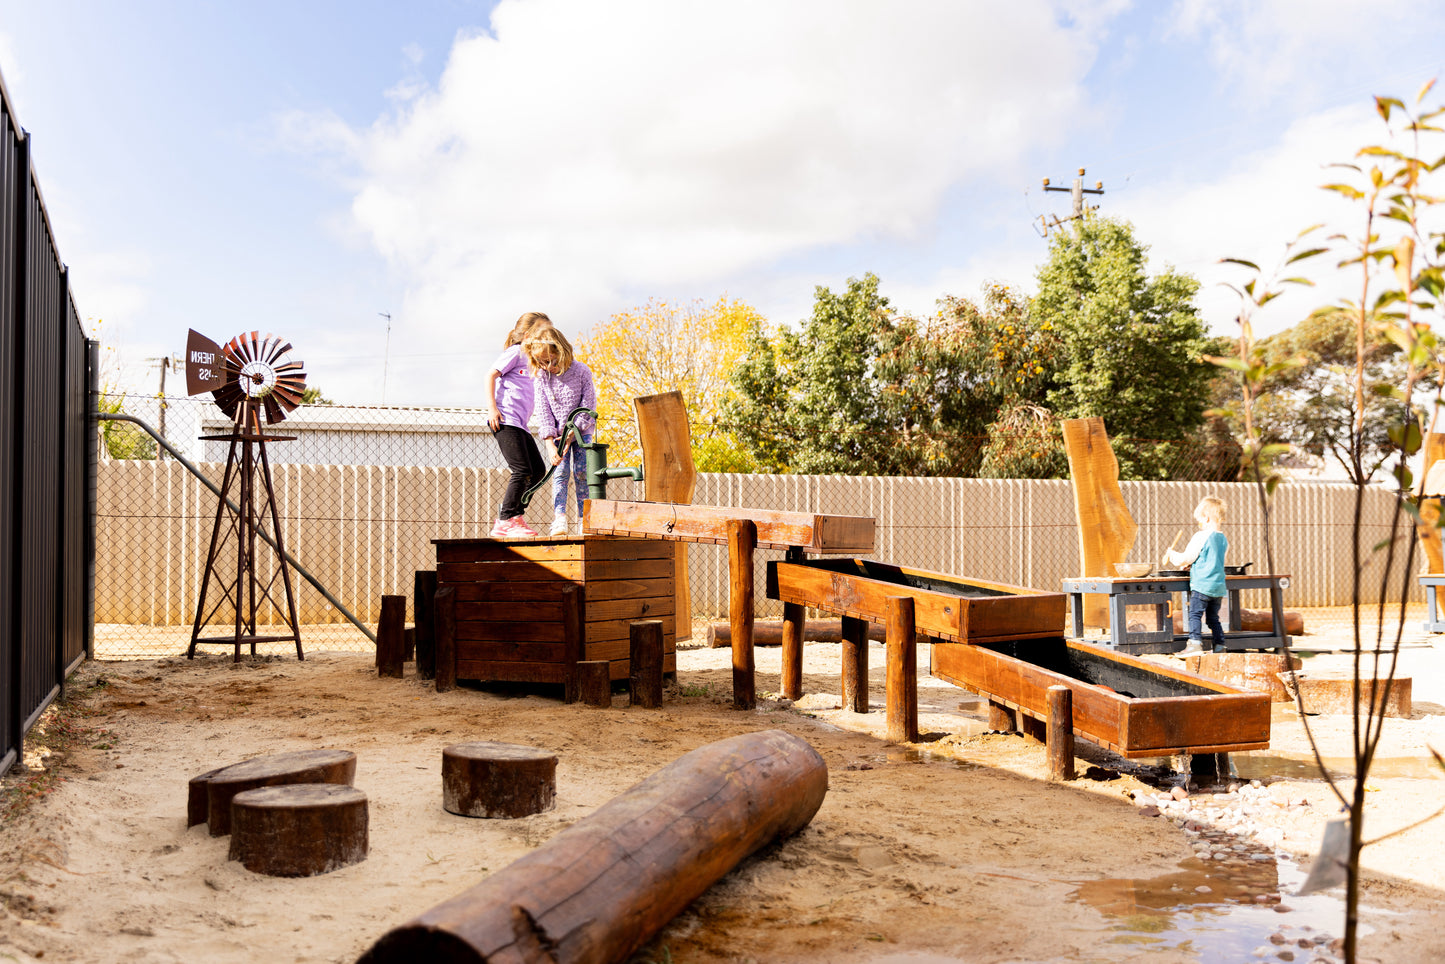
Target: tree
{"type": "Point", "coordinates": [120, 440]}
{"type": "Point", "coordinates": [662, 347]}
{"type": "Point", "coordinates": [808, 401]}
{"type": "Point", "coordinates": [1310, 402]}
{"type": "Point", "coordinates": [312, 396]}
{"type": "Point", "coordinates": [1130, 345]}
{"type": "Point", "coordinates": [963, 394]}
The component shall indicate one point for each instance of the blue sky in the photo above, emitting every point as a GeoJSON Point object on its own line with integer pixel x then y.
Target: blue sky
{"type": "Point", "coordinates": [305, 166]}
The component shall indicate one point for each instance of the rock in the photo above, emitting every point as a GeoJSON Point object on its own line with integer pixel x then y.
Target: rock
{"type": "Point", "coordinates": [1179, 793]}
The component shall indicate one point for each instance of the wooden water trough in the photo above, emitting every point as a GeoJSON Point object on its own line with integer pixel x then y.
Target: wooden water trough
{"type": "Point", "coordinates": [1006, 643]}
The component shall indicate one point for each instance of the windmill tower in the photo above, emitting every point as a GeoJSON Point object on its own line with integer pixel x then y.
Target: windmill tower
{"type": "Point", "coordinates": [255, 385]}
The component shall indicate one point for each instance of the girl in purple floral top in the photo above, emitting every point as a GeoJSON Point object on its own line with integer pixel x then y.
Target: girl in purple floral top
{"type": "Point", "coordinates": [562, 384]}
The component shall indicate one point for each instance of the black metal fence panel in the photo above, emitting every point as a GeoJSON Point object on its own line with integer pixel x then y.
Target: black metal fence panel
{"type": "Point", "coordinates": [10, 734]}
{"type": "Point", "coordinates": [43, 421]}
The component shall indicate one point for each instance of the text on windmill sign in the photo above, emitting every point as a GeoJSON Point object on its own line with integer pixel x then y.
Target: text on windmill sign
{"type": "Point", "coordinates": [203, 358]}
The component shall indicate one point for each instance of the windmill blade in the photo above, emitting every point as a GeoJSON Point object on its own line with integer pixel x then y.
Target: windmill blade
{"type": "Point", "coordinates": [276, 353]}
{"type": "Point", "coordinates": [287, 395]}
{"type": "Point", "coordinates": [274, 410]}
{"type": "Point", "coordinates": [228, 398]}
{"type": "Point", "coordinates": [271, 348]}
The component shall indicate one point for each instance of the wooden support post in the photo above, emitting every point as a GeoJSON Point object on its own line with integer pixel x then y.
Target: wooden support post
{"type": "Point", "coordinates": [742, 540]}
{"type": "Point", "coordinates": [299, 830]}
{"type": "Point", "coordinates": [645, 663]}
{"type": "Point", "coordinates": [594, 682]}
{"type": "Point", "coordinates": [793, 628]}
{"type": "Point", "coordinates": [446, 634]}
{"type": "Point", "coordinates": [1001, 718]}
{"type": "Point", "coordinates": [902, 666]}
{"type": "Point", "coordinates": [424, 591]}
{"type": "Point", "coordinates": [1060, 739]}
{"type": "Point", "coordinates": [498, 780]}
{"type": "Point", "coordinates": [574, 645]}
{"type": "Point", "coordinates": [1033, 728]}
{"type": "Point", "coordinates": [855, 664]}
{"type": "Point", "coordinates": [391, 637]}
{"type": "Point", "coordinates": [603, 887]}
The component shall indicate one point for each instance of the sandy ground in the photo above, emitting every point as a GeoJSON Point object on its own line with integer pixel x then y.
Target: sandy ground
{"type": "Point", "coordinates": [953, 849]}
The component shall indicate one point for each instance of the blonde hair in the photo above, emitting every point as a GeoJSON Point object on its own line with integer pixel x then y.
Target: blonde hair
{"type": "Point", "coordinates": [547, 341]}
{"type": "Point", "coordinates": [524, 326]}
{"type": "Point", "coordinates": [1210, 509]}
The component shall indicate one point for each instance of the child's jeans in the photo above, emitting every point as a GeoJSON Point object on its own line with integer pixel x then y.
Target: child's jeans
{"type": "Point", "coordinates": [1208, 608]}
{"type": "Point", "coordinates": [574, 467]}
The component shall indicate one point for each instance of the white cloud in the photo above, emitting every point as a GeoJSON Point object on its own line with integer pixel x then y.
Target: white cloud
{"type": "Point", "coordinates": [1275, 49]}
{"type": "Point", "coordinates": [579, 154]}
{"type": "Point", "coordinates": [1254, 209]}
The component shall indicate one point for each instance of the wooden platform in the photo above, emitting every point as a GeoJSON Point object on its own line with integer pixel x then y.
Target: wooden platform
{"type": "Point", "coordinates": [512, 621]}
{"type": "Point", "coordinates": [813, 532]}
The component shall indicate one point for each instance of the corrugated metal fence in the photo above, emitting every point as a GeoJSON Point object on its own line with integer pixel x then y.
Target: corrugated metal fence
{"type": "Point", "coordinates": [43, 470]}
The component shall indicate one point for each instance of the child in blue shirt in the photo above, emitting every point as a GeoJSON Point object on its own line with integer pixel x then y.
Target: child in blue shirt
{"type": "Point", "coordinates": [1204, 558]}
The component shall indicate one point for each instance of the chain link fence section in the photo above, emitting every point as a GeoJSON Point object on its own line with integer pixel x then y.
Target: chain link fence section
{"type": "Point", "coordinates": [361, 493]}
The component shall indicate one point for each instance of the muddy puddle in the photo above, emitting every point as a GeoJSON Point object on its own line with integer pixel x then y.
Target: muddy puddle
{"type": "Point", "coordinates": [1220, 913]}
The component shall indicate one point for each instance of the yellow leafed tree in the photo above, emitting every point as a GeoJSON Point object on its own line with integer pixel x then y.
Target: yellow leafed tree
{"type": "Point", "coordinates": [663, 347]}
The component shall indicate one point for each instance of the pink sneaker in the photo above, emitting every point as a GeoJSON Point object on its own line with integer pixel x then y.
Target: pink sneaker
{"type": "Point", "coordinates": [503, 529]}
{"type": "Point", "coordinates": [520, 529]}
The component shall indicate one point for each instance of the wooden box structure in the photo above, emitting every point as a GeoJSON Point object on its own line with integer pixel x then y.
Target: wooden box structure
{"type": "Point", "coordinates": [946, 607]}
{"type": "Point", "coordinates": [1133, 707]}
{"type": "Point", "coordinates": [513, 621]}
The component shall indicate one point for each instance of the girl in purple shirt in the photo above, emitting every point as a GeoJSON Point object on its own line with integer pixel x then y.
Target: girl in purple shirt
{"type": "Point", "coordinates": [562, 384]}
{"type": "Point", "coordinates": [510, 397]}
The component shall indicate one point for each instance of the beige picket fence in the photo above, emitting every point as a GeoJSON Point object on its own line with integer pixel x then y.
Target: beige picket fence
{"type": "Point", "coordinates": [363, 531]}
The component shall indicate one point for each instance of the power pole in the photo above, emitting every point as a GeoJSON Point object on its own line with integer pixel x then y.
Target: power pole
{"type": "Point", "coordinates": [1080, 208]}
{"type": "Point", "coordinates": [165, 364]}
{"type": "Point", "coordinates": [387, 356]}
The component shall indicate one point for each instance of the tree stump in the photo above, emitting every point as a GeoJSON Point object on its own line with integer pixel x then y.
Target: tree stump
{"type": "Point", "coordinates": [299, 830]}
{"type": "Point", "coordinates": [498, 780]}
{"type": "Point", "coordinates": [594, 682]}
{"type": "Point", "coordinates": [645, 663]}
{"type": "Point", "coordinates": [198, 797]}
{"type": "Point", "coordinates": [279, 769]}
{"type": "Point", "coordinates": [391, 638]}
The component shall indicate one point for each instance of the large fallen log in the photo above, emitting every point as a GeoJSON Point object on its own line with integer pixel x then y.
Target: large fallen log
{"type": "Point", "coordinates": [1251, 621]}
{"type": "Point", "coordinates": [769, 632]}
{"type": "Point", "coordinates": [601, 888]}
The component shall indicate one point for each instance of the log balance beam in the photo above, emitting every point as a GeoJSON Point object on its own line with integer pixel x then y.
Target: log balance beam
{"type": "Point", "coordinates": [604, 886]}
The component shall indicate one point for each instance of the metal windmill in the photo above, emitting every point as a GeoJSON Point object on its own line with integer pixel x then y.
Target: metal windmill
{"type": "Point", "coordinates": [253, 382]}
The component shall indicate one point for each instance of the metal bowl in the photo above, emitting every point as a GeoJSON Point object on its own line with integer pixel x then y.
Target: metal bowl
{"type": "Point", "coordinates": [1132, 570]}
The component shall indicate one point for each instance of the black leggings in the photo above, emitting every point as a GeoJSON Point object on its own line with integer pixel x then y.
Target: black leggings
{"type": "Point", "coordinates": [525, 461]}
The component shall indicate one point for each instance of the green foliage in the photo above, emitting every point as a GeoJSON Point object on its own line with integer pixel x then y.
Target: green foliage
{"type": "Point", "coordinates": [1130, 345]}
{"type": "Point", "coordinates": [313, 396]}
{"type": "Point", "coordinates": [123, 440]}
{"type": "Point", "coordinates": [1306, 391]}
{"type": "Point", "coordinates": [972, 372]}
{"type": "Point", "coordinates": [808, 401]}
